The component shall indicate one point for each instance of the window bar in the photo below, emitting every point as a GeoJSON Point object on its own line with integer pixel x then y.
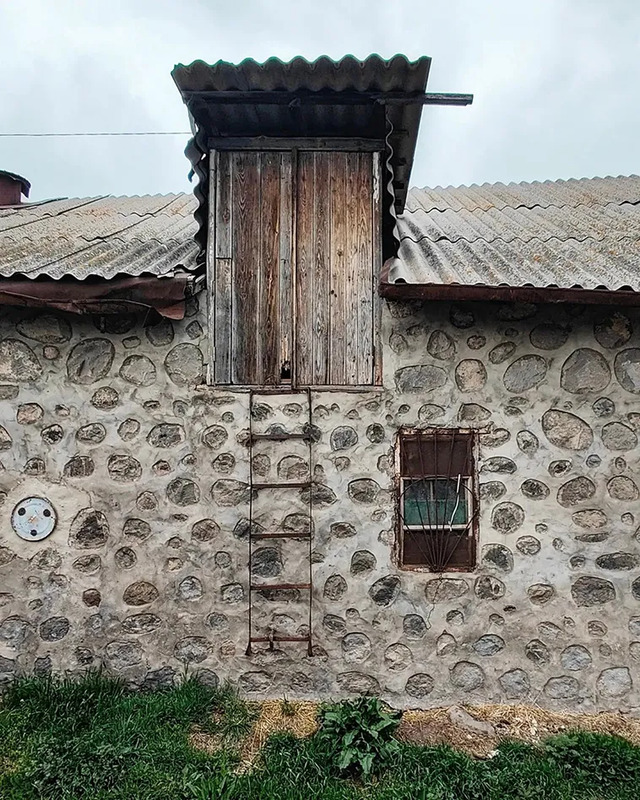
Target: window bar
{"type": "Point", "coordinates": [435, 535]}
{"type": "Point", "coordinates": [427, 537]}
{"type": "Point", "coordinates": [448, 545]}
{"type": "Point", "coordinates": [423, 541]}
{"type": "Point", "coordinates": [438, 535]}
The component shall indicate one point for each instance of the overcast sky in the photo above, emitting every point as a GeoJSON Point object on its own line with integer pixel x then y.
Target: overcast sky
{"type": "Point", "coordinates": [556, 82]}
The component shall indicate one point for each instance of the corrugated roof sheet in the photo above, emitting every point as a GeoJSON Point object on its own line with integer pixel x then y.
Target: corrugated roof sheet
{"type": "Point", "coordinates": [397, 124]}
{"type": "Point", "coordinates": [568, 234]}
{"type": "Point", "coordinates": [349, 74]}
{"type": "Point", "coordinates": [99, 236]}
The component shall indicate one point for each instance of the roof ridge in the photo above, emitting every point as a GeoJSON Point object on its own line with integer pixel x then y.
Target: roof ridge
{"type": "Point", "coordinates": [523, 205]}
{"type": "Point", "coordinates": [82, 202]}
{"type": "Point", "coordinates": [622, 237]}
{"type": "Point", "coordinates": [300, 59]}
{"type": "Point", "coordinates": [546, 181]}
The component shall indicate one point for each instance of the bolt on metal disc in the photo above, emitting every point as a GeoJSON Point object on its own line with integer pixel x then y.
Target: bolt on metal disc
{"type": "Point", "coordinates": [33, 519]}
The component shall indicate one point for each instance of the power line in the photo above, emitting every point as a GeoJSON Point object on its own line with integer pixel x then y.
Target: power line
{"type": "Point", "coordinates": [106, 133]}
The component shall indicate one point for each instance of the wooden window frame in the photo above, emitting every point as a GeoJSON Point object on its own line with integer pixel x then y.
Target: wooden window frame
{"type": "Point", "coordinates": [292, 147]}
{"type": "Point", "coordinates": [403, 478]}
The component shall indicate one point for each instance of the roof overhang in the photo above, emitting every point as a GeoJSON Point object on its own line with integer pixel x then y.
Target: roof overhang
{"type": "Point", "coordinates": [167, 296]}
{"type": "Point", "coordinates": [373, 99]}
{"type": "Point", "coordinates": [513, 294]}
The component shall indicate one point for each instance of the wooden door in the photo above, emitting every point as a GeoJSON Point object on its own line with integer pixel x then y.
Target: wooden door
{"type": "Point", "coordinates": [293, 262]}
{"type": "Point", "coordinates": [335, 269]}
{"type": "Point", "coordinates": [252, 285]}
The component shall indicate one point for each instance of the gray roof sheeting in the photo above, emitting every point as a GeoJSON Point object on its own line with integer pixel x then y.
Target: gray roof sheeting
{"type": "Point", "coordinates": [99, 237]}
{"type": "Point", "coordinates": [396, 124]}
{"type": "Point", "coordinates": [349, 74]}
{"type": "Point", "coordinates": [567, 234]}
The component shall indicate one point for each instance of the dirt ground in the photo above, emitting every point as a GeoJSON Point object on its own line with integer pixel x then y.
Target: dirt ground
{"type": "Point", "coordinates": [475, 729]}
{"type": "Point", "coordinates": [523, 723]}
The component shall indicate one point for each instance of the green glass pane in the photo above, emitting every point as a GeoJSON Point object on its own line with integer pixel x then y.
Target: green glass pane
{"type": "Point", "coordinates": [435, 503]}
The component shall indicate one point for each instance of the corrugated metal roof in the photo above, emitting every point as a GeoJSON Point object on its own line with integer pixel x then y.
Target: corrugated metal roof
{"type": "Point", "coordinates": [349, 74]}
{"type": "Point", "coordinates": [99, 236]}
{"type": "Point", "coordinates": [397, 124]}
{"type": "Point", "coordinates": [568, 234]}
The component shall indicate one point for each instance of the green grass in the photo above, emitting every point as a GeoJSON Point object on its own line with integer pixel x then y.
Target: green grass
{"type": "Point", "coordinates": [93, 738]}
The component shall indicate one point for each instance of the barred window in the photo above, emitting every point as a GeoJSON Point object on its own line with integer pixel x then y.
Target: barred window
{"type": "Point", "coordinates": [437, 504]}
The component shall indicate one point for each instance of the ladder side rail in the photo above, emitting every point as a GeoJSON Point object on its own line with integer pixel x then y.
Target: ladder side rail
{"type": "Point", "coordinates": [311, 526]}
{"type": "Point", "coordinates": [250, 597]}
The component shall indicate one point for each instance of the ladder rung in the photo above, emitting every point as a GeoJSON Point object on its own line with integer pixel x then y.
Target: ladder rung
{"type": "Point", "coordinates": [283, 535]}
{"type": "Point", "coordinates": [280, 639]}
{"type": "Point", "coordinates": [256, 587]}
{"type": "Point", "coordinates": [279, 437]}
{"type": "Point", "coordinates": [299, 485]}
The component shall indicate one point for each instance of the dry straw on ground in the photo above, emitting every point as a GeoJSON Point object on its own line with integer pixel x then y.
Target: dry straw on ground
{"type": "Point", "coordinates": [433, 726]}
{"type": "Point", "coordinates": [298, 717]}
{"type": "Point", "coordinates": [523, 723]}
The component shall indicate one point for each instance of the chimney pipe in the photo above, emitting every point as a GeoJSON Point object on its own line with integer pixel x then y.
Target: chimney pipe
{"type": "Point", "coordinates": [12, 187]}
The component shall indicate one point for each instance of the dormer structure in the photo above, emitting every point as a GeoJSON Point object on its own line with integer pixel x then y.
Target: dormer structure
{"type": "Point", "coordinates": [304, 167]}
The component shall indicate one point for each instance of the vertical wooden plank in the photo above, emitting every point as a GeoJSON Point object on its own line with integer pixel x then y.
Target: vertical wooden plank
{"type": "Point", "coordinates": [364, 279]}
{"type": "Point", "coordinates": [321, 276]}
{"type": "Point", "coordinates": [304, 269]}
{"type": "Point", "coordinates": [223, 205]}
{"type": "Point", "coordinates": [338, 245]}
{"type": "Point", "coordinates": [268, 327]}
{"type": "Point", "coordinates": [286, 260]}
{"type": "Point", "coordinates": [210, 267]}
{"type": "Point", "coordinates": [246, 260]}
{"type": "Point", "coordinates": [352, 267]}
{"type": "Point", "coordinates": [222, 281]}
{"type": "Point", "coordinates": [376, 237]}
{"type": "Point", "coordinates": [223, 321]}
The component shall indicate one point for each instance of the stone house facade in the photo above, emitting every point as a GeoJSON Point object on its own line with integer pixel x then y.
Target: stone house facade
{"type": "Point", "coordinates": [461, 529]}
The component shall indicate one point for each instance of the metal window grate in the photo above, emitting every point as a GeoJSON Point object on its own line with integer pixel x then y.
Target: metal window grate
{"type": "Point", "coordinates": [437, 503]}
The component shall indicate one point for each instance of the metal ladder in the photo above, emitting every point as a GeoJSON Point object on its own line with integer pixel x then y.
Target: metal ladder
{"type": "Point", "coordinates": [258, 487]}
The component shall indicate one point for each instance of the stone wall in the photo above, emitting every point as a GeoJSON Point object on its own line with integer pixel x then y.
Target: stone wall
{"type": "Point", "coordinates": [146, 571]}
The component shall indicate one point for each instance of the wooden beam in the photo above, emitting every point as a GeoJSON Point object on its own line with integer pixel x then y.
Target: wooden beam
{"type": "Point", "coordinates": [329, 98]}
{"type": "Point", "coordinates": [300, 143]}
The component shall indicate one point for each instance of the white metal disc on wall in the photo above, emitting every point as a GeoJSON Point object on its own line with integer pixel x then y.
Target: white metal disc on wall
{"type": "Point", "coordinates": [33, 519]}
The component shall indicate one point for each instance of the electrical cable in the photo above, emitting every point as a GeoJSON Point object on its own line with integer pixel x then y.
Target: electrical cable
{"type": "Point", "coordinates": [104, 133]}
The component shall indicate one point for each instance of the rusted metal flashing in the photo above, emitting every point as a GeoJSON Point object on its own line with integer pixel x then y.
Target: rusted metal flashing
{"type": "Point", "coordinates": [522, 294]}
{"type": "Point", "coordinates": [167, 296]}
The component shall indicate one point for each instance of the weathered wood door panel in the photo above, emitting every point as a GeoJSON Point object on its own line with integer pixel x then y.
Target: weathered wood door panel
{"type": "Point", "coordinates": [252, 283]}
{"type": "Point", "coordinates": [294, 267]}
{"type": "Point", "coordinates": [335, 269]}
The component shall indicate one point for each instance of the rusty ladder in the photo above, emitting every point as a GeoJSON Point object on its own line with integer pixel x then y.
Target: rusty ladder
{"type": "Point", "coordinates": [256, 487]}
